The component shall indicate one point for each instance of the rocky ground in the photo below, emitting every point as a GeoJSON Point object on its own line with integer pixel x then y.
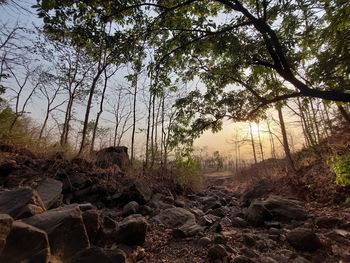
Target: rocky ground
{"type": "Point", "coordinates": [57, 210]}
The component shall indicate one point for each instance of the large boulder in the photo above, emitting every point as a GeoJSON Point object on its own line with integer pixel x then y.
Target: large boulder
{"type": "Point", "coordinates": [276, 208]}
{"type": "Point", "coordinates": [259, 190]}
{"type": "Point", "coordinates": [26, 243]}
{"type": "Point", "coordinates": [257, 214]}
{"type": "Point", "coordinates": [65, 229]}
{"type": "Point", "coordinates": [49, 191]}
{"type": "Point", "coordinates": [99, 255]}
{"type": "Point", "coordinates": [285, 209]}
{"type": "Point", "coordinates": [110, 156]}
{"type": "Point", "coordinates": [21, 203]}
{"type": "Point", "coordinates": [5, 227]}
{"type": "Point", "coordinates": [175, 217]}
{"type": "Point", "coordinates": [182, 221]}
{"type": "Point", "coordinates": [134, 191]}
{"type": "Point", "coordinates": [92, 221]}
{"type": "Point", "coordinates": [303, 239]}
{"type": "Point", "coordinates": [132, 230]}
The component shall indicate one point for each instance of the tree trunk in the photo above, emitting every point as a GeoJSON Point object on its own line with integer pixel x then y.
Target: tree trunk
{"type": "Point", "coordinates": [285, 138]}
{"type": "Point", "coordinates": [253, 144]}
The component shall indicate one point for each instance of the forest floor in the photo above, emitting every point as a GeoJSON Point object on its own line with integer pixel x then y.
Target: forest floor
{"type": "Point", "coordinates": [275, 216]}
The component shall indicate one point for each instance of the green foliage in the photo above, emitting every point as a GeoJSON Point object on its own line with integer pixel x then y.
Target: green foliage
{"type": "Point", "coordinates": [187, 169]}
{"type": "Point", "coordinates": [340, 165]}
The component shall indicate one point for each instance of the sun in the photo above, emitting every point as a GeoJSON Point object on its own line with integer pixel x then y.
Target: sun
{"type": "Point", "coordinates": [254, 128]}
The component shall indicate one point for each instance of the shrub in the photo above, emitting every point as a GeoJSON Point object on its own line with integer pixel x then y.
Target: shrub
{"type": "Point", "coordinates": [340, 165]}
{"type": "Point", "coordinates": [187, 170]}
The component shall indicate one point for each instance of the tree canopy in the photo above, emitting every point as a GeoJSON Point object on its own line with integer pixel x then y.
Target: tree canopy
{"type": "Point", "coordinates": [248, 54]}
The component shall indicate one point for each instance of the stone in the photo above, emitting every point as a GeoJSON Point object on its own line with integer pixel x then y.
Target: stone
{"type": "Point", "coordinates": [65, 229]}
{"type": "Point", "coordinates": [21, 203]}
{"type": "Point", "coordinates": [186, 230]}
{"type": "Point", "coordinates": [242, 259]}
{"type": "Point", "coordinates": [175, 217]}
{"type": "Point", "coordinates": [73, 182]}
{"type": "Point", "coordinates": [135, 191]}
{"type": "Point", "coordinates": [217, 252]}
{"type": "Point", "coordinates": [130, 208]}
{"type": "Point", "coordinates": [92, 222]}
{"type": "Point", "coordinates": [249, 240]}
{"type": "Point", "coordinates": [5, 227]}
{"type": "Point", "coordinates": [285, 209]}
{"type": "Point", "coordinates": [327, 222]}
{"type": "Point", "coordinates": [100, 255]}
{"type": "Point", "coordinates": [179, 203]}
{"type": "Point", "coordinates": [204, 241]}
{"type": "Point", "coordinates": [26, 243]}
{"type": "Point", "coordinates": [300, 259]}
{"type": "Point", "coordinates": [49, 191]}
{"type": "Point", "coordinates": [239, 222]}
{"type": "Point", "coordinates": [112, 156]}
{"type": "Point", "coordinates": [303, 239]}
{"type": "Point", "coordinates": [257, 191]}
{"type": "Point", "coordinates": [256, 214]}
{"type": "Point", "coordinates": [208, 220]}
{"type": "Point", "coordinates": [132, 230]}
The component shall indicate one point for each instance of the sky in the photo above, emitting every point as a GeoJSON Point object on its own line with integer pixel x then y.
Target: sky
{"type": "Point", "coordinates": [221, 141]}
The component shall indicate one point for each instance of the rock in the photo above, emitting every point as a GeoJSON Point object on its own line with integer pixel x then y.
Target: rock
{"type": "Point", "coordinates": [145, 210]}
{"type": "Point", "coordinates": [99, 255]}
{"type": "Point", "coordinates": [130, 208]}
{"type": "Point", "coordinates": [217, 252]}
{"type": "Point", "coordinates": [92, 222]}
{"type": "Point", "coordinates": [220, 239]}
{"type": "Point", "coordinates": [49, 191]}
{"type": "Point", "coordinates": [186, 230]}
{"type": "Point", "coordinates": [5, 227]}
{"type": "Point", "coordinates": [73, 182]}
{"type": "Point", "coordinates": [303, 239]}
{"type": "Point", "coordinates": [208, 220]}
{"type": "Point", "coordinates": [132, 231]}
{"type": "Point", "coordinates": [340, 236]}
{"type": "Point", "coordinates": [327, 222]}
{"type": "Point", "coordinates": [21, 203]}
{"type": "Point", "coordinates": [259, 190]}
{"type": "Point", "coordinates": [179, 203]}
{"type": "Point", "coordinates": [204, 241]}
{"type": "Point", "coordinates": [111, 156]}
{"type": "Point", "coordinates": [300, 259]}
{"type": "Point", "coordinates": [256, 214]}
{"type": "Point", "coordinates": [65, 229]}
{"type": "Point", "coordinates": [26, 243]}
{"type": "Point", "coordinates": [285, 209]}
{"type": "Point", "coordinates": [239, 222]}
{"type": "Point", "coordinates": [175, 217]}
{"type": "Point", "coordinates": [136, 191]}
{"type": "Point", "coordinates": [8, 167]}
{"type": "Point", "coordinates": [242, 259]}
{"type": "Point", "coordinates": [249, 240]}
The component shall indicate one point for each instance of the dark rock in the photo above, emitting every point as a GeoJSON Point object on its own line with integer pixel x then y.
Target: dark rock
{"type": "Point", "coordinates": [8, 167]}
{"type": "Point", "coordinates": [204, 241]}
{"type": "Point", "coordinates": [242, 259]}
{"type": "Point", "coordinates": [248, 252]}
{"type": "Point", "coordinates": [132, 231]}
{"type": "Point", "coordinates": [186, 230]}
{"type": "Point", "coordinates": [111, 156]}
{"type": "Point", "coordinates": [249, 240]}
{"type": "Point", "coordinates": [26, 243]}
{"type": "Point", "coordinates": [179, 203]}
{"type": "Point", "coordinates": [303, 239]}
{"type": "Point", "coordinates": [92, 222]}
{"type": "Point", "coordinates": [5, 227]}
{"type": "Point", "coordinates": [74, 182]}
{"type": "Point", "coordinates": [285, 209]}
{"type": "Point", "coordinates": [340, 236]}
{"type": "Point", "coordinates": [208, 220]}
{"type": "Point", "coordinates": [220, 239]}
{"type": "Point", "coordinates": [217, 252]}
{"type": "Point", "coordinates": [21, 203]}
{"type": "Point", "coordinates": [175, 217]}
{"type": "Point", "coordinates": [109, 222]}
{"type": "Point", "coordinates": [130, 208]}
{"type": "Point", "coordinates": [135, 191]}
{"type": "Point", "coordinates": [256, 214]}
{"type": "Point", "coordinates": [99, 255]}
{"type": "Point", "coordinates": [261, 189]}
{"type": "Point", "coordinates": [145, 210]}
{"type": "Point", "coordinates": [327, 222]}
{"type": "Point", "coordinates": [239, 222]}
{"type": "Point", "coordinates": [65, 229]}
{"type": "Point", "coordinates": [49, 191]}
